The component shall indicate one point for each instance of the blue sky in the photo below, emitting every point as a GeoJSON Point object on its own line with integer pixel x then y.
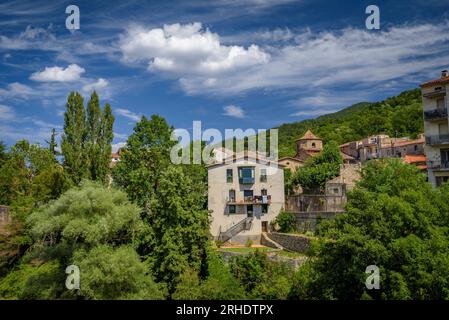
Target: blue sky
{"type": "Point", "coordinates": [231, 64]}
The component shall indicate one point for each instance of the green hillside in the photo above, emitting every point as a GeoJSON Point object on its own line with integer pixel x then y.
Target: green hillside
{"type": "Point", "coordinates": [396, 116]}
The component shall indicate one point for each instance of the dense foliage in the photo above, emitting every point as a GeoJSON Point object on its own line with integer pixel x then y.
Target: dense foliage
{"type": "Point", "coordinates": [319, 169]}
{"type": "Point", "coordinates": [94, 228]}
{"type": "Point", "coordinates": [396, 116]}
{"type": "Point", "coordinates": [394, 220]}
{"type": "Point", "coordinates": [86, 142]}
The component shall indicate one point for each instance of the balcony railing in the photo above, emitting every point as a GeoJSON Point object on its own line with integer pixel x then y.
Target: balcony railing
{"type": "Point", "coordinates": [437, 139]}
{"type": "Point", "coordinates": [436, 114]}
{"type": "Point", "coordinates": [250, 200]}
{"type": "Point", "coordinates": [438, 165]}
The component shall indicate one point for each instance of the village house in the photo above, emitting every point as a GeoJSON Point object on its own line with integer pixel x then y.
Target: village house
{"type": "Point", "coordinates": [308, 146]}
{"type": "Point", "coordinates": [245, 193]}
{"type": "Point", "coordinates": [382, 146]}
{"type": "Point", "coordinates": [436, 130]}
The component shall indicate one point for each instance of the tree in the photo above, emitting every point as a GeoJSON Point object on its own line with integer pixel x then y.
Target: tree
{"type": "Point", "coordinates": [74, 138]}
{"type": "Point", "coordinates": [88, 134]}
{"type": "Point", "coordinates": [107, 135]}
{"type": "Point", "coordinates": [394, 220]}
{"type": "Point", "coordinates": [145, 156]}
{"type": "Point", "coordinates": [177, 237]}
{"type": "Point", "coordinates": [93, 227]}
{"type": "Point", "coordinates": [219, 284]}
{"type": "Point", "coordinates": [261, 278]}
{"type": "Point", "coordinates": [3, 153]}
{"type": "Point", "coordinates": [52, 143]}
{"type": "Point", "coordinates": [320, 169]}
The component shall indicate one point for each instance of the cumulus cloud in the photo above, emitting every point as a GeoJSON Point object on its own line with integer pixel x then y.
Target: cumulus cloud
{"type": "Point", "coordinates": [97, 85]}
{"type": "Point", "coordinates": [116, 146]}
{"type": "Point", "coordinates": [187, 50]}
{"type": "Point", "coordinates": [233, 111]}
{"type": "Point", "coordinates": [127, 114]}
{"type": "Point", "coordinates": [58, 74]}
{"type": "Point", "coordinates": [202, 64]}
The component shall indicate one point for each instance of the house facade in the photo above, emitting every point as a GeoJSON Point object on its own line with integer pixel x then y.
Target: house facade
{"type": "Point", "coordinates": [436, 130]}
{"type": "Point", "coordinates": [245, 193]}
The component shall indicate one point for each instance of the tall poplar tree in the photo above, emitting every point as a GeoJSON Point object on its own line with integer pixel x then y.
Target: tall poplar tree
{"type": "Point", "coordinates": [74, 138]}
{"type": "Point", "coordinates": [93, 137]}
{"type": "Point", "coordinates": [107, 135]}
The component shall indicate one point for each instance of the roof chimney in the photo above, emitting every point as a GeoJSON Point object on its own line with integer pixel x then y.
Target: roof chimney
{"type": "Point", "coordinates": [444, 74]}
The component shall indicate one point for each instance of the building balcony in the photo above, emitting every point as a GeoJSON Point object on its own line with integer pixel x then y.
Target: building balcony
{"type": "Point", "coordinates": [250, 200]}
{"type": "Point", "coordinates": [435, 115]}
{"type": "Point", "coordinates": [438, 92]}
{"type": "Point", "coordinates": [437, 165]}
{"type": "Point", "coordinates": [442, 139]}
{"type": "Point", "coordinates": [247, 180]}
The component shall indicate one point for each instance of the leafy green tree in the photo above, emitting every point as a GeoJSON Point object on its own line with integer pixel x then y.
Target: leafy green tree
{"type": "Point", "coordinates": [107, 135]}
{"type": "Point", "coordinates": [320, 169]}
{"type": "Point", "coordinates": [177, 235]}
{"type": "Point", "coordinates": [114, 273]}
{"type": "Point", "coordinates": [3, 153]}
{"type": "Point", "coordinates": [91, 226]}
{"type": "Point", "coordinates": [145, 156]}
{"type": "Point", "coordinates": [219, 284]}
{"type": "Point", "coordinates": [261, 278]}
{"type": "Point", "coordinates": [52, 143]}
{"type": "Point", "coordinates": [286, 221]}
{"type": "Point", "coordinates": [394, 220]}
{"type": "Point", "coordinates": [74, 138]}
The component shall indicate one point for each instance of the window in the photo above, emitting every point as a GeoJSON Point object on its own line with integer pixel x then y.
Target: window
{"type": "Point", "coordinates": [263, 192]}
{"type": "Point", "coordinates": [231, 208]}
{"type": "Point", "coordinates": [248, 195]}
{"type": "Point", "coordinates": [231, 195]}
{"type": "Point", "coordinates": [263, 175]}
{"type": "Point", "coordinates": [229, 177]}
{"type": "Point", "coordinates": [265, 208]}
{"type": "Point", "coordinates": [441, 180]}
{"type": "Point", "coordinates": [313, 145]}
{"type": "Point", "coordinates": [249, 210]}
{"type": "Point", "coordinates": [246, 175]}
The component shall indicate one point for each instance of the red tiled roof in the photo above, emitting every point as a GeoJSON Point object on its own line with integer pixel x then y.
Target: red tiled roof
{"type": "Point", "coordinates": [115, 155]}
{"type": "Point", "coordinates": [411, 158]}
{"type": "Point", "coordinates": [435, 81]}
{"type": "Point", "coordinates": [408, 142]}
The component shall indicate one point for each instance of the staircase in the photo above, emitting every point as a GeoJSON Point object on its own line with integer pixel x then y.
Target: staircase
{"type": "Point", "coordinates": [244, 224]}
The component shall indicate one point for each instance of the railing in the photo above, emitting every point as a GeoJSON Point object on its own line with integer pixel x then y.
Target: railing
{"type": "Point", "coordinates": [250, 200]}
{"type": "Point", "coordinates": [244, 224]}
{"type": "Point", "coordinates": [437, 164]}
{"type": "Point", "coordinates": [435, 114]}
{"type": "Point", "coordinates": [437, 139]}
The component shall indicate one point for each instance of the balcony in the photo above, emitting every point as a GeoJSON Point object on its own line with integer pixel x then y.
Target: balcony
{"type": "Point", "coordinates": [438, 92]}
{"type": "Point", "coordinates": [442, 139]}
{"type": "Point", "coordinates": [250, 200]}
{"type": "Point", "coordinates": [435, 115]}
{"type": "Point", "coordinates": [438, 165]}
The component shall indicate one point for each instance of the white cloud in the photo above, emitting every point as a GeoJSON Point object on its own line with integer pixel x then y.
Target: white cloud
{"type": "Point", "coordinates": [348, 57]}
{"type": "Point", "coordinates": [6, 113]}
{"type": "Point", "coordinates": [127, 114]}
{"type": "Point", "coordinates": [187, 50]}
{"type": "Point", "coordinates": [234, 111]}
{"type": "Point", "coordinates": [58, 74]}
{"type": "Point", "coordinates": [17, 90]}
{"type": "Point", "coordinates": [98, 86]}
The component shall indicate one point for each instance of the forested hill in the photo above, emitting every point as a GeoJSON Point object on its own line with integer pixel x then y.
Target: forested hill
{"type": "Point", "coordinates": [396, 116]}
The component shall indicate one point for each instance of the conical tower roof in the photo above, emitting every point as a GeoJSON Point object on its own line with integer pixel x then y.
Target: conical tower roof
{"type": "Point", "coordinates": [309, 136]}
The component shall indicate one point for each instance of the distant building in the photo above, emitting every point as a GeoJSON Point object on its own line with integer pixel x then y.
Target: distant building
{"type": "Point", "coordinates": [245, 193]}
{"type": "Point", "coordinates": [115, 158]}
{"type": "Point", "coordinates": [436, 130]}
{"type": "Point", "coordinates": [307, 147]}
{"type": "Point", "coordinates": [382, 146]}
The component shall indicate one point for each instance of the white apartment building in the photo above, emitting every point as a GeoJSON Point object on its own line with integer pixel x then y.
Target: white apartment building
{"type": "Point", "coordinates": [245, 193]}
{"type": "Point", "coordinates": [436, 131]}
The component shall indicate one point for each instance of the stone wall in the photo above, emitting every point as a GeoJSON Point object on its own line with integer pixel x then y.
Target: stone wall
{"type": "Point", "coordinates": [292, 242]}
